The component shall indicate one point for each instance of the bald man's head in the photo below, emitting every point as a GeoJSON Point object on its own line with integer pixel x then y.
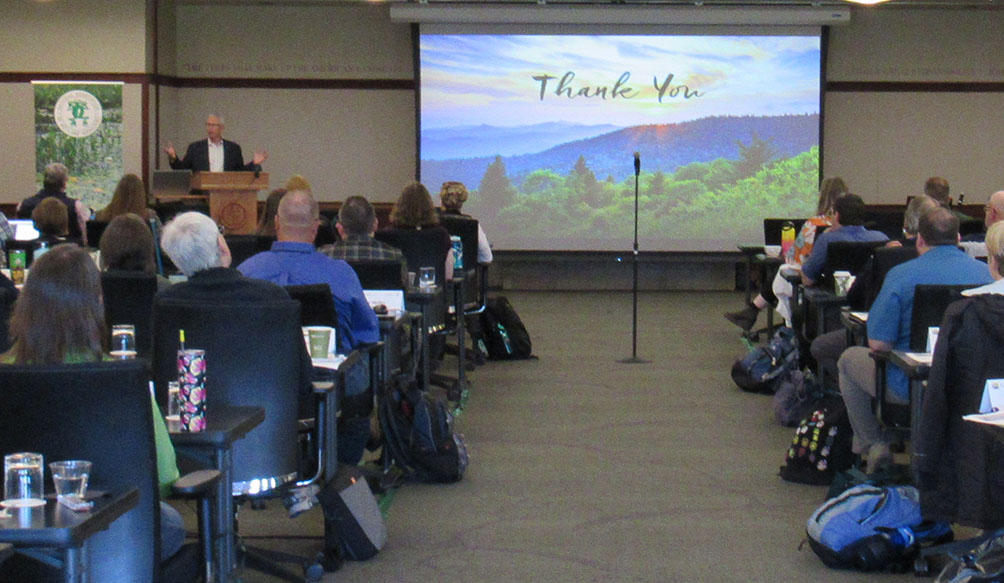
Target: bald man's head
{"type": "Point", "coordinates": [297, 218]}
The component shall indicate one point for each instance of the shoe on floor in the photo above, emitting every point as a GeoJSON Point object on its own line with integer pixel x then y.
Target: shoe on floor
{"type": "Point", "coordinates": [744, 318]}
{"type": "Point", "coordinates": [879, 456]}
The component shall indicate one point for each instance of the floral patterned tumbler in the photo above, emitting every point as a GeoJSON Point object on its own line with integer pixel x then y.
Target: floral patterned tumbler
{"type": "Point", "coordinates": [192, 378]}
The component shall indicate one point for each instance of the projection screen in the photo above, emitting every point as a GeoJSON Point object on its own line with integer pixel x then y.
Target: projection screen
{"type": "Point", "coordinates": [543, 128]}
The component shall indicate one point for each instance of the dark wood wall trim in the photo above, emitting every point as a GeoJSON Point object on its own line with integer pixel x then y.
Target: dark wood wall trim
{"type": "Point", "coordinates": [916, 86]}
{"type": "Point", "coordinates": [28, 77]}
{"type": "Point", "coordinates": [276, 83]}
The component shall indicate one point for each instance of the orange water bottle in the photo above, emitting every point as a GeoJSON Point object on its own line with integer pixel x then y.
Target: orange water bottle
{"type": "Point", "coordinates": [787, 238]}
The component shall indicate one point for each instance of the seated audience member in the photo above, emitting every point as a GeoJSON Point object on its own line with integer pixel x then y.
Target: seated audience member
{"type": "Point", "coordinates": [130, 197]}
{"type": "Point", "coordinates": [59, 319]}
{"type": "Point", "coordinates": [294, 261]}
{"type": "Point", "coordinates": [958, 462]}
{"type": "Point", "coordinates": [940, 262]}
{"type": "Point", "coordinates": [54, 182]}
{"type": "Point", "coordinates": [780, 291]}
{"type": "Point", "coordinates": [848, 221]}
{"type": "Point", "coordinates": [937, 188]}
{"type": "Point", "coordinates": [6, 232]}
{"type": "Point", "coordinates": [356, 224]}
{"type": "Point", "coordinates": [127, 245]}
{"type": "Point", "coordinates": [266, 225]}
{"type": "Point", "coordinates": [453, 195]}
{"type": "Point", "coordinates": [50, 222]}
{"type": "Point", "coordinates": [827, 348]}
{"type": "Point", "coordinates": [993, 213]}
{"type": "Point", "coordinates": [413, 212]}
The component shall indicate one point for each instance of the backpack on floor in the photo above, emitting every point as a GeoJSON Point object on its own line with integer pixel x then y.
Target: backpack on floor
{"type": "Point", "coordinates": [756, 372]}
{"type": "Point", "coordinates": [419, 436]}
{"type": "Point", "coordinates": [795, 395]}
{"type": "Point", "coordinates": [822, 445]}
{"type": "Point", "coordinates": [353, 525]}
{"type": "Point", "coordinates": [870, 528]}
{"type": "Point", "coordinates": [505, 336]}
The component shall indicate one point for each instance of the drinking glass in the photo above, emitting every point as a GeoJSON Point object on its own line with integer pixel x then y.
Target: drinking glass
{"type": "Point", "coordinates": [70, 478]}
{"type": "Point", "coordinates": [23, 475]}
{"type": "Point", "coordinates": [426, 277]}
{"type": "Point", "coordinates": [123, 341]}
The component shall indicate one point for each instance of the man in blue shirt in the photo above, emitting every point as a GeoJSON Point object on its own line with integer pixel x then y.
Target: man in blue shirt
{"type": "Point", "coordinates": [940, 262]}
{"type": "Point", "coordinates": [294, 261]}
{"type": "Point", "coordinates": [849, 216]}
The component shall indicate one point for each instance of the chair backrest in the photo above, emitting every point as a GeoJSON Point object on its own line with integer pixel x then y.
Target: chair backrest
{"type": "Point", "coordinates": [421, 248]}
{"type": "Point", "coordinates": [378, 274]}
{"type": "Point", "coordinates": [317, 306]}
{"type": "Point", "coordinates": [245, 246]}
{"type": "Point", "coordinates": [253, 357]}
{"type": "Point", "coordinates": [95, 229]}
{"type": "Point", "coordinates": [7, 298]}
{"type": "Point", "coordinates": [128, 299]}
{"type": "Point", "coordinates": [98, 412]}
{"type": "Point", "coordinates": [848, 256]}
{"type": "Point", "coordinates": [929, 305]}
{"type": "Point", "coordinates": [884, 259]}
{"type": "Point", "coordinates": [467, 229]}
{"type": "Point", "coordinates": [772, 229]}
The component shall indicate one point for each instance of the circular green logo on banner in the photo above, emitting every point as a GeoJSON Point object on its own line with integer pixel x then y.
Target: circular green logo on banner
{"type": "Point", "coordinates": [78, 113]}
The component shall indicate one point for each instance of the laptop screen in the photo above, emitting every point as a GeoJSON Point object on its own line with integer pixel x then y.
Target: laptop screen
{"type": "Point", "coordinates": [24, 229]}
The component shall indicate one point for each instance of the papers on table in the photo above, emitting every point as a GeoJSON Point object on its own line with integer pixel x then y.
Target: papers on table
{"type": "Point", "coordinates": [920, 357]}
{"type": "Point", "coordinates": [331, 363]}
{"type": "Point", "coordinates": [974, 249]}
{"type": "Point", "coordinates": [996, 418]}
{"type": "Point", "coordinates": [861, 316]}
{"type": "Point", "coordinates": [772, 250]}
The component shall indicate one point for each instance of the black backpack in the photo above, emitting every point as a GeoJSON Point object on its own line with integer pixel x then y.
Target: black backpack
{"type": "Point", "coordinates": [419, 436]}
{"type": "Point", "coordinates": [505, 336]}
{"type": "Point", "coordinates": [822, 445]}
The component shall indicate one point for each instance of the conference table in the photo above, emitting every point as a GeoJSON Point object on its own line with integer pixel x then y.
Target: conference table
{"type": "Point", "coordinates": [53, 526]}
{"type": "Point", "coordinates": [213, 448]}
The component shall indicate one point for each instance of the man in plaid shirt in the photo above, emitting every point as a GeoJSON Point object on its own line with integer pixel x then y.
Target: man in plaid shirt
{"type": "Point", "coordinates": [356, 224]}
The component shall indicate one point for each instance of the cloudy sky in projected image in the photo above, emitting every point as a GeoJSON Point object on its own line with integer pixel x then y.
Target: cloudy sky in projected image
{"type": "Point", "coordinates": [488, 79]}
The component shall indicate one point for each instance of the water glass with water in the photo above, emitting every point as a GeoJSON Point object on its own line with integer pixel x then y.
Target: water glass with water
{"type": "Point", "coordinates": [426, 278]}
{"type": "Point", "coordinates": [123, 341]}
{"type": "Point", "coordinates": [23, 475]}
{"type": "Point", "coordinates": [70, 478]}
{"type": "Point", "coordinates": [173, 418]}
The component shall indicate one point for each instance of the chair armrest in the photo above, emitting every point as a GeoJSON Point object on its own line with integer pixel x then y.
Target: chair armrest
{"type": "Point", "coordinates": [196, 484]}
{"type": "Point", "coordinates": [370, 348]}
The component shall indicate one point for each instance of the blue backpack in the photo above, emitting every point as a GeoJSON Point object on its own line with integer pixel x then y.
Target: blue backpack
{"type": "Point", "coordinates": [871, 528]}
{"type": "Point", "coordinates": [759, 370]}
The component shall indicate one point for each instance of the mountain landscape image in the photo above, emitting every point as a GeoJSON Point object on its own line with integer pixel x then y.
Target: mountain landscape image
{"type": "Point", "coordinates": [700, 180]}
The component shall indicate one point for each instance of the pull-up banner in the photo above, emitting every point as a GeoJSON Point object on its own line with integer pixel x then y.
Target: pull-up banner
{"type": "Point", "coordinates": [80, 125]}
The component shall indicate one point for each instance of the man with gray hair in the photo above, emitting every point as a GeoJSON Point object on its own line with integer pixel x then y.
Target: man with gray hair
{"type": "Point", "coordinates": [54, 182]}
{"type": "Point", "coordinates": [213, 154]}
{"type": "Point", "coordinates": [193, 242]}
{"type": "Point", "coordinates": [993, 213]}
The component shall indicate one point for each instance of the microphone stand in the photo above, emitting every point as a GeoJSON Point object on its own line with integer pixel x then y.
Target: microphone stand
{"type": "Point", "coordinates": [634, 283]}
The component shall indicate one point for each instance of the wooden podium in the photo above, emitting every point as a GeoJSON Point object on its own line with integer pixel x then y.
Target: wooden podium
{"type": "Point", "coordinates": [233, 198]}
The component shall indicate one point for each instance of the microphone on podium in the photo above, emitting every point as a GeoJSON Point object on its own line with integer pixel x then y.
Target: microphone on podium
{"type": "Point", "coordinates": [257, 170]}
{"type": "Point", "coordinates": [637, 164]}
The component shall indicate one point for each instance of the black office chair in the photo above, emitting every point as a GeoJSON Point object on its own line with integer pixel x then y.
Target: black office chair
{"type": "Point", "coordinates": [379, 274]}
{"type": "Point", "coordinates": [128, 299]}
{"type": "Point", "coordinates": [873, 274]}
{"type": "Point", "coordinates": [929, 305]}
{"type": "Point", "coordinates": [255, 355]}
{"type": "Point", "coordinates": [7, 298]}
{"type": "Point", "coordinates": [244, 246]}
{"type": "Point", "coordinates": [317, 306]}
{"type": "Point", "coordinates": [474, 288]}
{"type": "Point", "coordinates": [95, 229]}
{"type": "Point", "coordinates": [101, 412]}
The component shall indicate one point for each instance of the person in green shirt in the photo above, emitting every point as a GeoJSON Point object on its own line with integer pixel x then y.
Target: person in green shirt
{"type": "Point", "coordinates": [59, 319]}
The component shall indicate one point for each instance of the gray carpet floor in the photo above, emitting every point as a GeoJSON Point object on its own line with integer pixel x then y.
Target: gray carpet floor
{"type": "Point", "coordinates": [586, 469]}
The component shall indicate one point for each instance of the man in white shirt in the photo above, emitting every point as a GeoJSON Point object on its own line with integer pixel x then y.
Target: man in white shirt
{"type": "Point", "coordinates": [214, 154]}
